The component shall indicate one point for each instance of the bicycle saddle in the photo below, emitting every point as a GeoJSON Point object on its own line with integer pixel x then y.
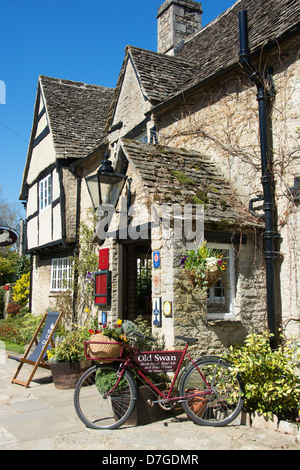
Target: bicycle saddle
{"type": "Point", "coordinates": [187, 340]}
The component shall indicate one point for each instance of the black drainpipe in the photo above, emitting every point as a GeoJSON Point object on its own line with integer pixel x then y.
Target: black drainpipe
{"type": "Point", "coordinates": [267, 177]}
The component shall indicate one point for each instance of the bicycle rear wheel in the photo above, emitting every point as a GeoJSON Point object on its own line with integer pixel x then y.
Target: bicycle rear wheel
{"type": "Point", "coordinates": [220, 401]}
{"type": "Point", "coordinates": [98, 411]}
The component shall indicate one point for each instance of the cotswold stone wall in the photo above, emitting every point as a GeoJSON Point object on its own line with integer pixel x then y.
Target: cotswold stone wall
{"type": "Point", "coordinates": [41, 284]}
{"type": "Point", "coordinates": [221, 119]}
{"type": "Point", "coordinates": [190, 305]}
{"type": "Point", "coordinates": [132, 105]}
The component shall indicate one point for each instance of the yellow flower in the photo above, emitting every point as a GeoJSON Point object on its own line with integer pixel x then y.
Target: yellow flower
{"type": "Point", "coordinates": [123, 338]}
{"type": "Point", "coordinates": [50, 354]}
{"type": "Point", "coordinates": [119, 322]}
{"type": "Point", "coordinates": [87, 310]}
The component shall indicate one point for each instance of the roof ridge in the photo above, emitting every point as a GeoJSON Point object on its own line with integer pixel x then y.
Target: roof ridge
{"type": "Point", "coordinates": [74, 83]}
{"type": "Point", "coordinates": [165, 56]}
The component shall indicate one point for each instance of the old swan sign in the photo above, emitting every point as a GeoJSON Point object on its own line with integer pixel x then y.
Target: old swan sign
{"type": "Point", "coordinates": [158, 361]}
{"type": "Point", "coordinates": [7, 236]}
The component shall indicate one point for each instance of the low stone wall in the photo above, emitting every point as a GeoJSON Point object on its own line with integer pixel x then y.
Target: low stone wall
{"type": "Point", "coordinates": [257, 420]}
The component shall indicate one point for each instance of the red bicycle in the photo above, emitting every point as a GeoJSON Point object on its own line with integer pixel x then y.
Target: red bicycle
{"type": "Point", "coordinates": [106, 394]}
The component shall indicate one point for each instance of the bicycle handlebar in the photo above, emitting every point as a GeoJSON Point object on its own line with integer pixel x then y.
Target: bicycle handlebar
{"type": "Point", "coordinates": [141, 336]}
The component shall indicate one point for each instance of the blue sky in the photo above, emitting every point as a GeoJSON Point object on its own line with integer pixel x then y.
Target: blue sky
{"type": "Point", "coordinates": [70, 39]}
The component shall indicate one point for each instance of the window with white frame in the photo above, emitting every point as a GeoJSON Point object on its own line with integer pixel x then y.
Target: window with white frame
{"type": "Point", "coordinates": [220, 298]}
{"type": "Point", "coordinates": [61, 274]}
{"type": "Point", "coordinates": [45, 193]}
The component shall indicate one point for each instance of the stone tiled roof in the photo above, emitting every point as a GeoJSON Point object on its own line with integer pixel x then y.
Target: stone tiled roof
{"type": "Point", "coordinates": [159, 75]}
{"type": "Point", "coordinates": [179, 176]}
{"type": "Point", "coordinates": [77, 114]}
{"type": "Point", "coordinates": [212, 50]}
{"type": "Point", "coordinates": [216, 47]}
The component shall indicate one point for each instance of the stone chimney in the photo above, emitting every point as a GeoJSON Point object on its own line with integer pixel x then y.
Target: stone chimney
{"type": "Point", "coordinates": [177, 20]}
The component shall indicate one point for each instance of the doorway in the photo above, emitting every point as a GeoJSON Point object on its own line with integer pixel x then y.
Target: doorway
{"type": "Point", "coordinates": [135, 287]}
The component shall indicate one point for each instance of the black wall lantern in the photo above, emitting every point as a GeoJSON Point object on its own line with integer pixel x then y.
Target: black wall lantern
{"type": "Point", "coordinates": [105, 186]}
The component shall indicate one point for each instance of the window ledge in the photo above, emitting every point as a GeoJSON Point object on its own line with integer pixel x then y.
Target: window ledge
{"type": "Point", "coordinates": [228, 319]}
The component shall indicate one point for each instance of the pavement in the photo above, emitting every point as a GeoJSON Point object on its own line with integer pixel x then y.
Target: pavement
{"type": "Point", "coordinates": [43, 418]}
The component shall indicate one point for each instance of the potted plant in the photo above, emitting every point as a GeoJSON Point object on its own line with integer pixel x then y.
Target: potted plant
{"type": "Point", "coordinates": [204, 267]}
{"type": "Point", "coordinates": [67, 360]}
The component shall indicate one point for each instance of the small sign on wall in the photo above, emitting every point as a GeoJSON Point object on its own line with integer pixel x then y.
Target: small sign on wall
{"type": "Point", "coordinates": [157, 311]}
{"type": "Point", "coordinates": [167, 309]}
{"type": "Point", "coordinates": [104, 318]}
{"type": "Point", "coordinates": [156, 259]}
{"type": "Point", "coordinates": [104, 259]}
{"type": "Point", "coordinates": [156, 284]}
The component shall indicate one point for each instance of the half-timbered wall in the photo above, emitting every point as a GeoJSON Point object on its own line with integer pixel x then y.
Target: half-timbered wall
{"type": "Point", "coordinates": [44, 224]}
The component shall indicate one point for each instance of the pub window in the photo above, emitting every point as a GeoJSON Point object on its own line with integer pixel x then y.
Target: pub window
{"type": "Point", "coordinates": [220, 298]}
{"type": "Point", "coordinates": [61, 274]}
{"type": "Point", "coordinates": [45, 193]}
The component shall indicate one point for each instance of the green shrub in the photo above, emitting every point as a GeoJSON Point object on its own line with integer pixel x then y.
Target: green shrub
{"type": "Point", "coordinates": [21, 290]}
{"type": "Point", "coordinates": [269, 377]}
{"type": "Point", "coordinates": [29, 325]}
{"type": "Point", "coordinates": [10, 330]}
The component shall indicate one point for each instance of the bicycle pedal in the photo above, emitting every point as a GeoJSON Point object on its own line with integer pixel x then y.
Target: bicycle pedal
{"type": "Point", "coordinates": [150, 403]}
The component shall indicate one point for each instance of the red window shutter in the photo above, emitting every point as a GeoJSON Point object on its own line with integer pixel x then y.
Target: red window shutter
{"type": "Point", "coordinates": [104, 259]}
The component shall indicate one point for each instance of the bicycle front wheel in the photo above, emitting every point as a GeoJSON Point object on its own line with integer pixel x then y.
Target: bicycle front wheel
{"type": "Point", "coordinates": [220, 393]}
{"type": "Point", "coordinates": [95, 406]}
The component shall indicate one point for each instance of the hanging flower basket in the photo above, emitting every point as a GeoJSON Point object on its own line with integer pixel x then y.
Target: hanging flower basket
{"type": "Point", "coordinates": [204, 267]}
{"type": "Point", "coordinates": [208, 281]}
{"type": "Point", "coordinates": [212, 277]}
{"type": "Point", "coordinates": [191, 275]}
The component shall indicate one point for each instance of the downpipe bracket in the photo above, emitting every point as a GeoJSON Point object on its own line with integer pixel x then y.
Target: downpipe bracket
{"type": "Point", "coordinates": [253, 210]}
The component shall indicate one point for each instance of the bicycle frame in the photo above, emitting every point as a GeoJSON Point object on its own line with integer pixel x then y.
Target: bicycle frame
{"type": "Point", "coordinates": [129, 363]}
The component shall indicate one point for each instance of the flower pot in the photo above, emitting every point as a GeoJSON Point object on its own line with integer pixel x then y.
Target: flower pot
{"type": "Point", "coordinates": [145, 413]}
{"type": "Point", "coordinates": [66, 374]}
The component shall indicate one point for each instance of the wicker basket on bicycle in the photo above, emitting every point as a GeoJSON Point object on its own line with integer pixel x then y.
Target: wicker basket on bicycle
{"type": "Point", "coordinates": [103, 348]}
